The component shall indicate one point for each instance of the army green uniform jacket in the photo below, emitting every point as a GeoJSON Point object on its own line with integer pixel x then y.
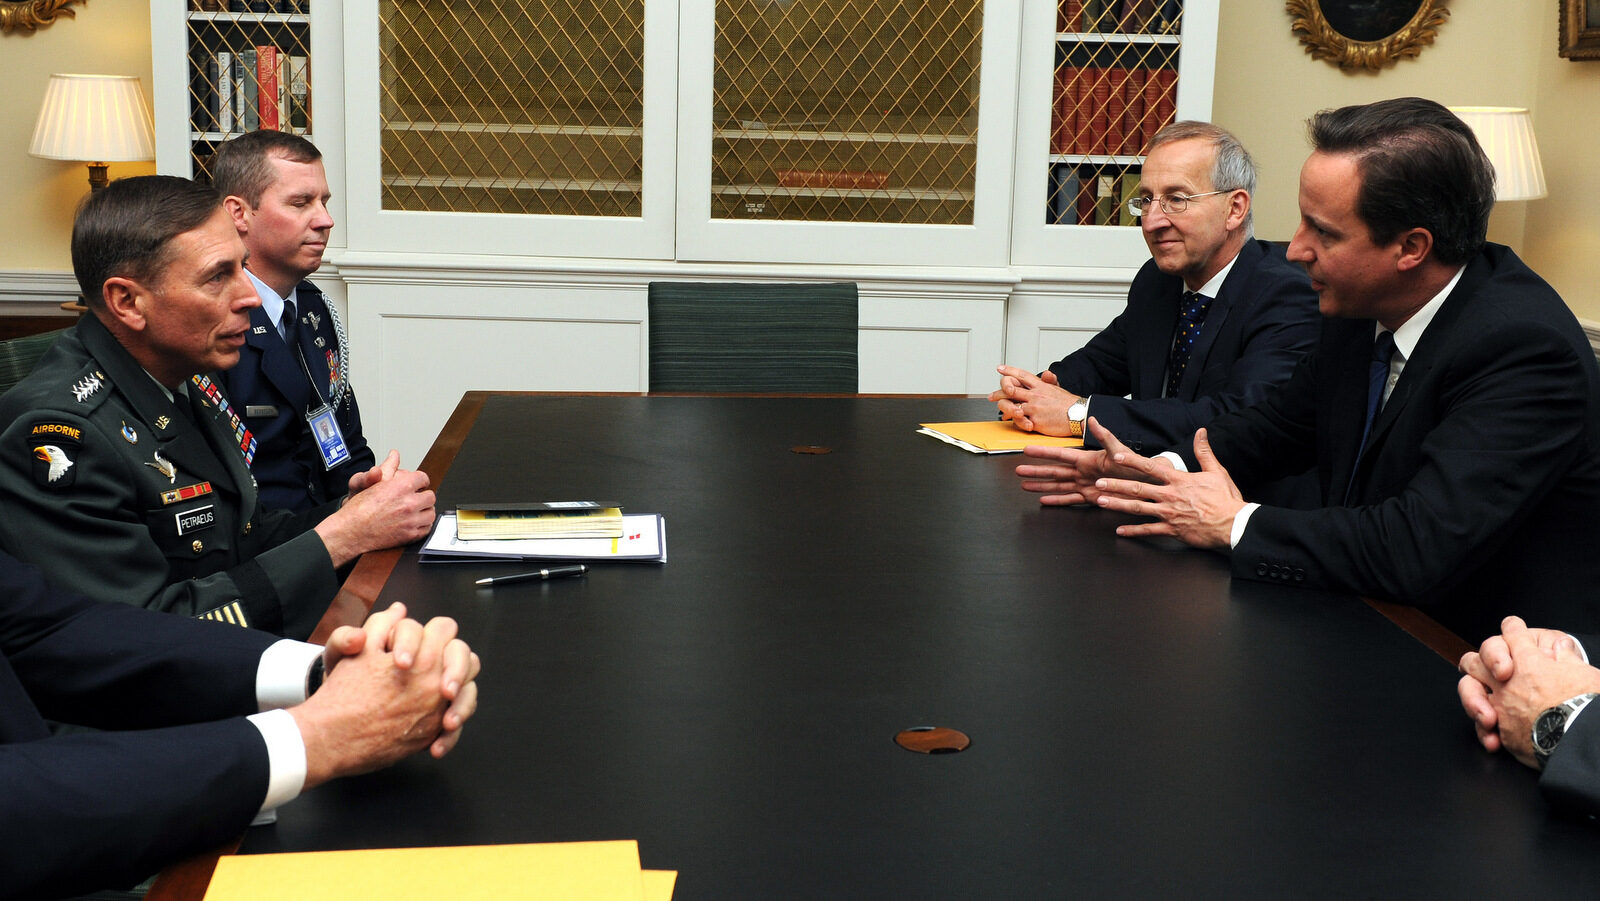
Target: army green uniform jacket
{"type": "Point", "coordinates": [123, 495]}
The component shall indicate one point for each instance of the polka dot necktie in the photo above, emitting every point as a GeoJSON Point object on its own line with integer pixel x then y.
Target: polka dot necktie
{"type": "Point", "coordinates": [1190, 316]}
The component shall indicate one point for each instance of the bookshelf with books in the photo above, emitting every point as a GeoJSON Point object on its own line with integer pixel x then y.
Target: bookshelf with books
{"type": "Point", "coordinates": [249, 66]}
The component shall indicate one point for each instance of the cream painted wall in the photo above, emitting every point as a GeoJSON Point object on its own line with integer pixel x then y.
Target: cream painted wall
{"type": "Point", "coordinates": [36, 205]}
{"type": "Point", "coordinates": [1490, 52]}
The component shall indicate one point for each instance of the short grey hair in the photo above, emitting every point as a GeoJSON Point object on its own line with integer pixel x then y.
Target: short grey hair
{"type": "Point", "coordinates": [1234, 169]}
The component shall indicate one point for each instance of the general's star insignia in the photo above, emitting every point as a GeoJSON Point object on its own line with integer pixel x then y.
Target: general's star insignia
{"type": "Point", "coordinates": [85, 387]}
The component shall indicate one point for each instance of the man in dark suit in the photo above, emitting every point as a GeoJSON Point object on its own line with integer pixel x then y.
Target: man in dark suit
{"type": "Point", "coordinates": [1451, 408]}
{"type": "Point", "coordinates": [1171, 362]}
{"type": "Point", "coordinates": [122, 471]}
{"type": "Point", "coordinates": [291, 385]}
{"type": "Point", "coordinates": [1525, 690]}
{"type": "Point", "coordinates": [209, 725]}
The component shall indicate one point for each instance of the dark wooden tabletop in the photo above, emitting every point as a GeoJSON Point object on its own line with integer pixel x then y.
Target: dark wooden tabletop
{"type": "Point", "coordinates": [1140, 724]}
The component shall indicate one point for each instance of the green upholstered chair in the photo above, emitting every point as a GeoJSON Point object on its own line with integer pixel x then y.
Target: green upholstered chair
{"type": "Point", "coordinates": [753, 337]}
{"type": "Point", "coordinates": [18, 355]}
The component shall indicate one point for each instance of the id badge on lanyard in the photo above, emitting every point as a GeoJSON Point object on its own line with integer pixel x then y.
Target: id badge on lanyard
{"type": "Point", "coordinates": [330, 439]}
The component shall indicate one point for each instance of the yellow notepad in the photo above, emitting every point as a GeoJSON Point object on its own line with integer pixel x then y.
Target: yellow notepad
{"type": "Point", "coordinates": [601, 522]}
{"type": "Point", "coordinates": [576, 871]}
{"type": "Point", "coordinates": [992, 436]}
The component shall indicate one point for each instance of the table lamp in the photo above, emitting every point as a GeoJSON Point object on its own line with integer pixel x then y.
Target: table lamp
{"type": "Point", "coordinates": [1506, 135]}
{"type": "Point", "coordinates": [98, 119]}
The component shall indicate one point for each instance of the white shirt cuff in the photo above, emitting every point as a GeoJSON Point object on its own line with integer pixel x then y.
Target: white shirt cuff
{"type": "Point", "coordinates": [281, 674]}
{"type": "Point", "coordinates": [286, 756]}
{"type": "Point", "coordinates": [1240, 520]}
{"type": "Point", "coordinates": [1174, 459]}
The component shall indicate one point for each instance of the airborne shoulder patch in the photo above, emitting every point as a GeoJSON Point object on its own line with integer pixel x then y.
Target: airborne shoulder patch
{"type": "Point", "coordinates": [54, 447]}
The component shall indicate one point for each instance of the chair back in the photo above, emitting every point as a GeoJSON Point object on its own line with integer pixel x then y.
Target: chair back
{"type": "Point", "coordinates": [18, 356]}
{"type": "Point", "coordinates": [754, 337]}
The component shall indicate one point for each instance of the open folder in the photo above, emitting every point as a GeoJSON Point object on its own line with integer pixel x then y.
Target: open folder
{"type": "Point", "coordinates": [570, 871]}
{"type": "Point", "coordinates": [992, 436]}
{"type": "Point", "coordinates": [644, 539]}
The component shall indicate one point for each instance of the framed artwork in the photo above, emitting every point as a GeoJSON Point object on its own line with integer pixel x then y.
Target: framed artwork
{"type": "Point", "coordinates": [30, 15]}
{"type": "Point", "coordinates": [1369, 34]}
{"type": "Point", "coordinates": [1580, 29]}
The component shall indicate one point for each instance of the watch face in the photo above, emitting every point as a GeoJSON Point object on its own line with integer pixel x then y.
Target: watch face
{"type": "Point", "coordinates": [1548, 729]}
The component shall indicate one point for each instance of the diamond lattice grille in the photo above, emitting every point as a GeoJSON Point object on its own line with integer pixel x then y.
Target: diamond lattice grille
{"type": "Point", "coordinates": [513, 108]}
{"type": "Point", "coordinates": [846, 110]}
{"type": "Point", "coordinates": [247, 71]}
{"type": "Point", "coordinates": [1116, 83]}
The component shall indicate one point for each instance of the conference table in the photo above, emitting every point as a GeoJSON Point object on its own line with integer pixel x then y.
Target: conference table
{"type": "Point", "coordinates": [1141, 725]}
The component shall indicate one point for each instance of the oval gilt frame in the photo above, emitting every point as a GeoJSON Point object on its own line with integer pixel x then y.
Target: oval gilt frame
{"type": "Point", "coordinates": [30, 15]}
{"type": "Point", "coordinates": [1323, 41]}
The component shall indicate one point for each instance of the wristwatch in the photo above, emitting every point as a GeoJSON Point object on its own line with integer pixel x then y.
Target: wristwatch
{"type": "Point", "coordinates": [314, 674]}
{"type": "Point", "coordinates": [1076, 414]}
{"type": "Point", "coordinates": [1552, 725]}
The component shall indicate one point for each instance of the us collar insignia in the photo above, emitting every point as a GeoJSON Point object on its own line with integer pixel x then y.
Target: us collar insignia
{"type": "Point", "coordinates": [259, 330]}
{"type": "Point", "coordinates": [320, 342]}
{"type": "Point", "coordinates": [162, 422]}
{"type": "Point", "coordinates": [162, 466]}
{"type": "Point", "coordinates": [85, 387]}
{"type": "Point", "coordinates": [315, 320]}
{"type": "Point", "coordinates": [128, 433]}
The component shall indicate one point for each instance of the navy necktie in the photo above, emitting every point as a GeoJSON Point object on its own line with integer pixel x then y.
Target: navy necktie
{"type": "Point", "coordinates": [286, 324]}
{"type": "Point", "coordinates": [1377, 377]}
{"type": "Point", "coordinates": [1191, 314]}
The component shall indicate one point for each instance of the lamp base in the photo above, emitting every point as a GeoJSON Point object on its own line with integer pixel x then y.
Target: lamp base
{"type": "Point", "coordinates": [97, 176]}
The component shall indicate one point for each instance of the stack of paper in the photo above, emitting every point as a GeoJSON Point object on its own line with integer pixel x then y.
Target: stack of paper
{"type": "Point", "coordinates": [992, 436]}
{"type": "Point", "coordinates": [643, 538]}
{"type": "Point", "coordinates": [571, 871]}
{"type": "Point", "coordinates": [553, 519]}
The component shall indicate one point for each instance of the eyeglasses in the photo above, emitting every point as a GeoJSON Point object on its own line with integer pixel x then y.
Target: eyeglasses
{"type": "Point", "coordinates": [1171, 204]}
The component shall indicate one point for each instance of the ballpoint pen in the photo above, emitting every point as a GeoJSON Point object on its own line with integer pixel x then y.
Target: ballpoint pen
{"type": "Point", "coordinates": [553, 572]}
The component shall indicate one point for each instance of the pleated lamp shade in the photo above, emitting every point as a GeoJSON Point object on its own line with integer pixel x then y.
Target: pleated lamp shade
{"type": "Point", "coordinates": [97, 119]}
{"type": "Point", "coordinates": [1506, 135]}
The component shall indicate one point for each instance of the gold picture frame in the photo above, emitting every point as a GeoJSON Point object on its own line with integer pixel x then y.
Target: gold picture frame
{"type": "Point", "coordinates": [1365, 34]}
{"type": "Point", "coordinates": [30, 15]}
{"type": "Point", "coordinates": [1580, 29]}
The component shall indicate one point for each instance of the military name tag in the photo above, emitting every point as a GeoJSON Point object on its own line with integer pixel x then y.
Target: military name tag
{"type": "Point", "coordinates": [196, 520]}
{"type": "Point", "coordinates": [255, 411]}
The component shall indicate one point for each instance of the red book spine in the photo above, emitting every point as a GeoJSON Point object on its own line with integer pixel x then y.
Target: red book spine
{"type": "Point", "coordinates": [267, 82]}
{"type": "Point", "coordinates": [1077, 140]}
{"type": "Point", "coordinates": [1087, 194]}
{"type": "Point", "coordinates": [1133, 119]}
{"type": "Point", "coordinates": [1099, 93]}
{"type": "Point", "coordinates": [1060, 113]}
{"type": "Point", "coordinates": [1167, 96]}
{"type": "Point", "coordinates": [1069, 16]}
{"type": "Point", "coordinates": [1116, 107]}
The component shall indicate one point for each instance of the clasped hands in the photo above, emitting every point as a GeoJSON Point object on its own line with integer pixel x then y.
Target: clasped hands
{"type": "Point", "coordinates": [1515, 676]}
{"type": "Point", "coordinates": [392, 687]}
{"type": "Point", "coordinates": [1197, 508]}
{"type": "Point", "coordinates": [1034, 403]}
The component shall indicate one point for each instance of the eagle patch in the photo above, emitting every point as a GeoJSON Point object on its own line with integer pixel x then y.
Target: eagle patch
{"type": "Point", "coordinates": [53, 446]}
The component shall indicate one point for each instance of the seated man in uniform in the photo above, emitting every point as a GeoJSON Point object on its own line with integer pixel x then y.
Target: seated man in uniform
{"type": "Point", "coordinates": [1213, 319]}
{"type": "Point", "coordinates": [207, 744]}
{"type": "Point", "coordinates": [291, 385]}
{"type": "Point", "coordinates": [124, 472]}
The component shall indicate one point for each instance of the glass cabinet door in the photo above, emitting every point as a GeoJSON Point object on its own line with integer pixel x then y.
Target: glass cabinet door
{"type": "Point", "coordinates": [522, 128]}
{"type": "Point", "coordinates": [803, 118]}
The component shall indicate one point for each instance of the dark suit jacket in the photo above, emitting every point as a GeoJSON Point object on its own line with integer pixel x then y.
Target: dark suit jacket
{"type": "Point", "coordinates": [96, 810]}
{"type": "Point", "coordinates": [287, 467]}
{"type": "Point", "coordinates": [1571, 777]}
{"type": "Point", "coordinates": [157, 508]}
{"type": "Point", "coordinates": [1479, 493]}
{"type": "Point", "coordinates": [1261, 322]}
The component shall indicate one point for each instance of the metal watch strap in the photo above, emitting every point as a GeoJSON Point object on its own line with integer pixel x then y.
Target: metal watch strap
{"type": "Point", "coordinates": [1567, 710]}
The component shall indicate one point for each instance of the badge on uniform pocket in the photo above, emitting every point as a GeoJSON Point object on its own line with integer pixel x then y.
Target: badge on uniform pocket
{"type": "Point", "coordinates": [195, 519]}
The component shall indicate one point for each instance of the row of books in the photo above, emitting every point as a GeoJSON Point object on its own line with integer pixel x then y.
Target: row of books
{"type": "Point", "coordinates": [1119, 16]}
{"type": "Point", "coordinates": [250, 6]}
{"type": "Point", "coordinates": [256, 87]}
{"type": "Point", "coordinates": [1086, 195]}
{"type": "Point", "coordinates": [1111, 110]}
